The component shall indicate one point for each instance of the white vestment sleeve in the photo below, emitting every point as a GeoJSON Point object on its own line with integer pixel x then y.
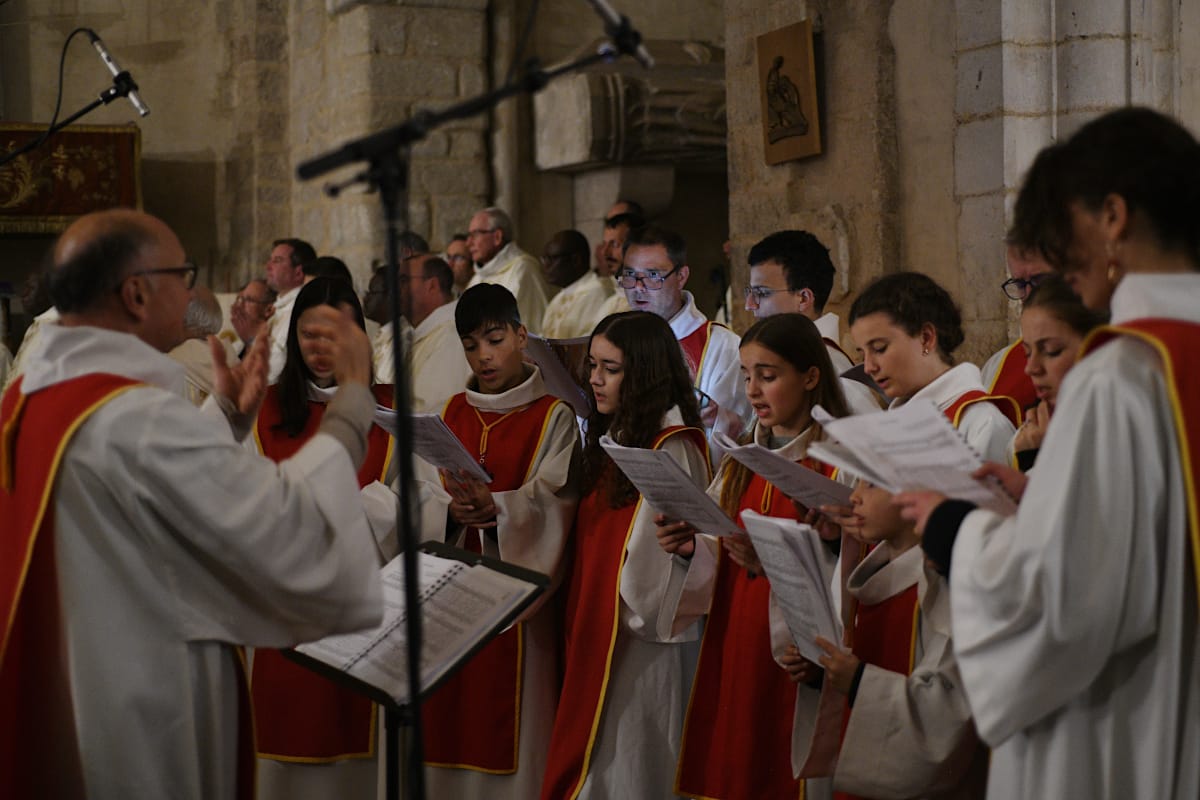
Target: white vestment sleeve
{"type": "Point", "coordinates": [988, 431]}
{"type": "Point", "coordinates": [1043, 599]}
{"type": "Point", "coordinates": [912, 736]}
{"type": "Point", "coordinates": [255, 552]}
{"type": "Point", "coordinates": [646, 576]}
{"type": "Point", "coordinates": [721, 375]}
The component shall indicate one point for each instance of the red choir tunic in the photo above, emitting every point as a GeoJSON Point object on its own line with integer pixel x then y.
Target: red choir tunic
{"type": "Point", "coordinates": [1011, 380]}
{"type": "Point", "coordinates": [300, 716]}
{"type": "Point", "coordinates": [1175, 341]}
{"type": "Point", "coordinates": [695, 346]}
{"type": "Point", "coordinates": [591, 626]}
{"type": "Point", "coordinates": [35, 710]}
{"type": "Point", "coordinates": [472, 721]}
{"type": "Point", "coordinates": [738, 732]}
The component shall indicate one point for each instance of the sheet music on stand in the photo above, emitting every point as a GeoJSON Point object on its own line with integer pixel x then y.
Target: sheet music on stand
{"type": "Point", "coordinates": [435, 442]}
{"type": "Point", "coordinates": [908, 448]}
{"type": "Point", "coordinates": [800, 571]}
{"type": "Point", "coordinates": [668, 489]}
{"type": "Point", "coordinates": [466, 600]}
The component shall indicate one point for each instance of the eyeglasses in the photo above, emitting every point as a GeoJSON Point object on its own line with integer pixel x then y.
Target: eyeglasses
{"type": "Point", "coordinates": [652, 280]}
{"type": "Point", "coordinates": [760, 293]}
{"type": "Point", "coordinates": [1019, 288]}
{"type": "Point", "coordinates": [480, 232]}
{"type": "Point", "coordinates": [188, 272]}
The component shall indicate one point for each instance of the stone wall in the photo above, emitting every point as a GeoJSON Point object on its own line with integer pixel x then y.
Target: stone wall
{"type": "Point", "coordinates": [847, 195]}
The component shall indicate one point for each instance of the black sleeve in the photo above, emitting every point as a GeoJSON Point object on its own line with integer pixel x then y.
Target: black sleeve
{"type": "Point", "coordinates": [1025, 459]}
{"type": "Point", "coordinates": [858, 673]}
{"type": "Point", "coordinates": [941, 530]}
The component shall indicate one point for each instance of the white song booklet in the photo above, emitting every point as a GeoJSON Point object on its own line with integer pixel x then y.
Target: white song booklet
{"type": "Point", "coordinates": [801, 571]}
{"type": "Point", "coordinates": [668, 489]}
{"type": "Point", "coordinates": [909, 448]}
{"type": "Point", "coordinates": [798, 482]}
{"type": "Point", "coordinates": [462, 606]}
{"type": "Point", "coordinates": [433, 441]}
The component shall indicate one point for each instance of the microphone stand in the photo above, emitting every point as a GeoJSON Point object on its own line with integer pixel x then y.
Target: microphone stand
{"type": "Point", "coordinates": [386, 155]}
{"type": "Point", "coordinates": [122, 85]}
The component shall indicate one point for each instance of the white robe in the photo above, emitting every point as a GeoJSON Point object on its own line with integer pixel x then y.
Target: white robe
{"type": "Point", "coordinates": [719, 374]}
{"type": "Point", "coordinates": [280, 320]}
{"type": "Point", "coordinates": [576, 310]}
{"type": "Point", "coordinates": [638, 739]}
{"type": "Point", "coordinates": [910, 735]}
{"type": "Point", "coordinates": [1075, 620]}
{"type": "Point", "coordinates": [439, 368]}
{"type": "Point", "coordinates": [21, 359]}
{"type": "Point", "coordinates": [859, 397]}
{"type": "Point", "coordinates": [521, 274]}
{"type": "Point", "coordinates": [983, 425]}
{"type": "Point", "coordinates": [532, 527]}
{"type": "Point", "coordinates": [173, 545]}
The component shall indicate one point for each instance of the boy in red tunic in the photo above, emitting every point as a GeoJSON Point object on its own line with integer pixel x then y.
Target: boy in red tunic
{"type": "Point", "coordinates": [487, 729]}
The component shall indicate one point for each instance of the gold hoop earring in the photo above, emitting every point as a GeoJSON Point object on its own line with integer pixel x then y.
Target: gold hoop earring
{"type": "Point", "coordinates": [1114, 273]}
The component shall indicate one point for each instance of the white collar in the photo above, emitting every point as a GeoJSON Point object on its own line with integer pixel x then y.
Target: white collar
{"type": "Point", "coordinates": [947, 387]}
{"type": "Point", "coordinates": [1162, 295]}
{"type": "Point", "coordinates": [61, 353]}
{"type": "Point", "coordinates": [442, 315]}
{"type": "Point", "coordinates": [285, 300]}
{"type": "Point", "coordinates": [881, 574]}
{"type": "Point", "coordinates": [795, 449]}
{"type": "Point", "coordinates": [829, 326]}
{"type": "Point", "coordinates": [688, 318]}
{"type": "Point", "coordinates": [524, 393]}
{"type": "Point", "coordinates": [510, 252]}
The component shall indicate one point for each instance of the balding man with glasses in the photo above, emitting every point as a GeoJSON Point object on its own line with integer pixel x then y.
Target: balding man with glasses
{"type": "Point", "coordinates": [252, 307]}
{"type": "Point", "coordinates": [144, 545]}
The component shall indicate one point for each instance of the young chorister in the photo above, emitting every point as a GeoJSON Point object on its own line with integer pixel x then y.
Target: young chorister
{"type": "Point", "coordinates": [737, 742]}
{"type": "Point", "coordinates": [907, 729]}
{"type": "Point", "coordinates": [315, 738]}
{"type": "Point", "coordinates": [1054, 325]}
{"type": "Point", "coordinates": [907, 328]}
{"type": "Point", "coordinates": [619, 720]}
{"type": "Point", "coordinates": [487, 728]}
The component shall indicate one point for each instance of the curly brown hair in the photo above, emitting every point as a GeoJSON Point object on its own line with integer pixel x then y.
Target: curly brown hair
{"type": "Point", "coordinates": [656, 380]}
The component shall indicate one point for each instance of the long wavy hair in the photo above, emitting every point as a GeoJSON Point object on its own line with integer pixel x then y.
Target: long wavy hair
{"type": "Point", "coordinates": [655, 380]}
{"type": "Point", "coordinates": [293, 380]}
{"type": "Point", "coordinates": [795, 339]}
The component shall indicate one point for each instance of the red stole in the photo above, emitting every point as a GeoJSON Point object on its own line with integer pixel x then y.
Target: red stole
{"type": "Point", "coordinates": [1176, 344]}
{"type": "Point", "coordinates": [473, 720]}
{"type": "Point", "coordinates": [301, 716]}
{"type": "Point", "coordinates": [38, 751]}
{"type": "Point", "coordinates": [695, 346]}
{"type": "Point", "coordinates": [591, 625]}
{"type": "Point", "coordinates": [1007, 405]}
{"type": "Point", "coordinates": [1011, 380]}
{"type": "Point", "coordinates": [738, 733]}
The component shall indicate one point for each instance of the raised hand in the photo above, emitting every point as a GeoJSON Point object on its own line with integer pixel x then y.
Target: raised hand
{"type": "Point", "coordinates": [243, 384]}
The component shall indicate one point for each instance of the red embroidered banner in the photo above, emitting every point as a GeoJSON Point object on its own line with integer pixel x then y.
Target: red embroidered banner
{"type": "Point", "coordinates": [79, 169]}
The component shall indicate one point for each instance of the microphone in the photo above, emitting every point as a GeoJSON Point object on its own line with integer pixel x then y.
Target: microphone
{"type": "Point", "coordinates": [117, 72]}
{"type": "Point", "coordinates": [626, 37]}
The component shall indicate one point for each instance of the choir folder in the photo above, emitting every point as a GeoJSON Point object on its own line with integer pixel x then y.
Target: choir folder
{"type": "Point", "coordinates": [465, 600]}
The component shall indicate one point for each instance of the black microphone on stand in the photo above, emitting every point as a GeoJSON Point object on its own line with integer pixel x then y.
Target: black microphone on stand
{"type": "Point", "coordinates": [119, 75]}
{"type": "Point", "coordinates": [622, 32]}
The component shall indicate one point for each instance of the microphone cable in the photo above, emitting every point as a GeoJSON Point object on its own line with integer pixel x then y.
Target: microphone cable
{"type": "Point", "coordinates": [62, 60]}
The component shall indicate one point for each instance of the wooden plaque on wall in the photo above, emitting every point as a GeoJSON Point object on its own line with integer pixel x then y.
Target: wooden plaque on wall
{"type": "Point", "coordinates": [79, 169]}
{"type": "Point", "coordinates": [787, 81]}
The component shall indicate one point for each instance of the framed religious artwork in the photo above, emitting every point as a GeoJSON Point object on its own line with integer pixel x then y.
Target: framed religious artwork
{"type": "Point", "coordinates": [787, 80]}
{"type": "Point", "coordinates": [79, 169]}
